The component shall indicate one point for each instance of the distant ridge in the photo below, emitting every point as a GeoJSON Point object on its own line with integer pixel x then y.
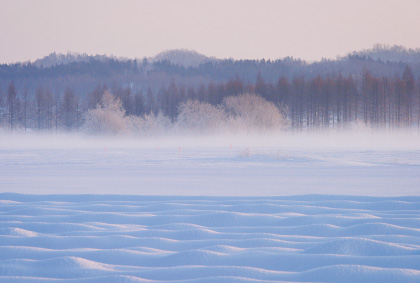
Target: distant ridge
{"type": "Point", "coordinates": [71, 57]}
{"type": "Point", "coordinates": [387, 53]}
{"type": "Point", "coordinates": [183, 57]}
{"type": "Point", "coordinates": [191, 58]}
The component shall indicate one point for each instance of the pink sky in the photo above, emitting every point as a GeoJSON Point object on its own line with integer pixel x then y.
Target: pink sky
{"type": "Point", "coordinates": [307, 29]}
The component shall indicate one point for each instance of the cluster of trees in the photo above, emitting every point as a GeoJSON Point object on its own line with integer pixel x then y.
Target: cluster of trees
{"type": "Point", "coordinates": [321, 102]}
{"type": "Point", "coordinates": [325, 94]}
{"type": "Point", "coordinates": [244, 113]}
{"type": "Point", "coordinates": [333, 101]}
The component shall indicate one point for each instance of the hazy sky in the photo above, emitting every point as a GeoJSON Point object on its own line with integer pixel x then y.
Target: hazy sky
{"type": "Point", "coordinates": [307, 29]}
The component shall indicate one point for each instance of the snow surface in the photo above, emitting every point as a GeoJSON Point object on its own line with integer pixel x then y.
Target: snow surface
{"type": "Point", "coordinates": [271, 209]}
{"type": "Point", "coordinates": [121, 238]}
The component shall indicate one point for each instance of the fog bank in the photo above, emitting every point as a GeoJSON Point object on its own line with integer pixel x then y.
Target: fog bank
{"type": "Point", "coordinates": [355, 138]}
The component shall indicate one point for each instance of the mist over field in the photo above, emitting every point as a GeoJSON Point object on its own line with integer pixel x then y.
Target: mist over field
{"type": "Point", "coordinates": [357, 138]}
{"type": "Point", "coordinates": [359, 161]}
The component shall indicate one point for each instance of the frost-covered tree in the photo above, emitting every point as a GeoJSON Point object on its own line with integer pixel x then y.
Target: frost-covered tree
{"type": "Point", "coordinates": [107, 118]}
{"type": "Point", "coordinates": [243, 113]}
{"type": "Point", "coordinates": [150, 124]}
{"type": "Point", "coordinates": [200, 117]}
{"type": "Point", "coordinates": [249, 112]}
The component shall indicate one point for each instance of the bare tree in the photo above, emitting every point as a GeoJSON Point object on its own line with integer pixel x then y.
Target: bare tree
{"type": "Point", "coordinates": [25, 107]}
{"type": "Point", "coordinates": [408, 79]}
{"type": "Point", "coordinates": [11, 102]}
{"type": "Point", "coordinates": [57, 101]}
{"type": "Point", "coordinates": [95, 97]}
{"type": "Point", "coordinates": [151, 102]}
{"type": "Point", "coordinates": [69, 108]}
{"type": "Point", "coordinates": [138, 104]}
{"type": "Point", "coordinates": [49, 104]}
{"type": "Point", "coordinates": [40, 100]}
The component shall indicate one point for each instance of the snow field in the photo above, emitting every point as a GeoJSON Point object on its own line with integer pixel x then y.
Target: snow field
{"type": "Point", "coordinates": [122, 238]}
{"type": "Point", "coordinates": [272, 209]}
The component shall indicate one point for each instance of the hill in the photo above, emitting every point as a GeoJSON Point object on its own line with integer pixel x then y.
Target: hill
{"type": "Point", "coordinates": [182, 57]}
{"type": "Point", "coordinates": [386, 53]}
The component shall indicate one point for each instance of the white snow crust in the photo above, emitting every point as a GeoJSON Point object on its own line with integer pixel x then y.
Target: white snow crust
{"type": "Point", "coordinates": [270, 209]}
{"type": "Point", "coordinates": [123, 238]}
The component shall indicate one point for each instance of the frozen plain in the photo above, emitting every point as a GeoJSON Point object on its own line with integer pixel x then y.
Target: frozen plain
{"type": "Point", "coordinates": [294, 209]}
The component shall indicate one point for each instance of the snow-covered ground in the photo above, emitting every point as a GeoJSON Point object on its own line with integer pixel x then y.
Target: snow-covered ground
{"type": "Point", "coordinates": [115, 238]}
{"type": "Point", "coordinates": [295, 209]}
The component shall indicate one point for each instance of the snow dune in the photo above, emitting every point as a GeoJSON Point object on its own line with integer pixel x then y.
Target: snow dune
{"type": "Point", "coordinates": [129, 238]}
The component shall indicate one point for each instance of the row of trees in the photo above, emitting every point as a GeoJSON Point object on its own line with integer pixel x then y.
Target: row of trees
{"type": "Point", "coordinates": [338, 101]}
{"type": "Point", "coordinates": [41, 111]}
{"type": "Point", "coordinates": [320, 102]}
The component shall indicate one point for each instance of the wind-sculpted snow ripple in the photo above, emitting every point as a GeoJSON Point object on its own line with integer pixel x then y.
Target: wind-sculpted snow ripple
{"type": "Point", "coordinates": [309, 238]}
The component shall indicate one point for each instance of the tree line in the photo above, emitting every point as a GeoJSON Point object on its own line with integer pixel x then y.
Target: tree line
{"type": "Point", "coordinates": [330, 101]}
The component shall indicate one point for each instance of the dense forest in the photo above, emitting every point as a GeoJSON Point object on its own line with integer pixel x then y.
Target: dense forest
{"type": "Point", "coordinates": [379, 88]}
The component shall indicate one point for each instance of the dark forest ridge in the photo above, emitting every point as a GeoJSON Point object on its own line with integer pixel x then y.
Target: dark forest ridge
{"type": "Point", "coordinates": [195, 69]}
{"type": "Point", "coordinates": [181, 57]}
{"type": "Point", "coordinates": [187, 58]}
